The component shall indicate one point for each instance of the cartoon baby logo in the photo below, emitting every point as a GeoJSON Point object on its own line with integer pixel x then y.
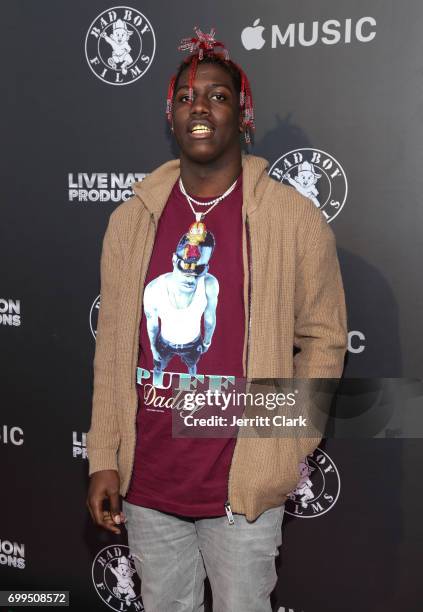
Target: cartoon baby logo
{"type": "Point", "coordinates": [176, 303]}
{"type": "Point", "coordinates": [123, 573]}
{"type": "Point", "coordinates": [118, 40]}
{"type": "Point", "coordinates": [303, 491]}
{"type": "Point", "coordinates": [120, 45]}
{"type": "Point", "coordinates": [115, 579]}
{"type": "Point", "coordinates": [305, 181]}
{"type": "Point", "coordinates": [317, 176]}
{"type": "Point", "coordinates": [318, 487]}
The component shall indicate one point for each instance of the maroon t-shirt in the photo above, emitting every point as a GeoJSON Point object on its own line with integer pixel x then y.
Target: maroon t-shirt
{"type": "Point", "coordinates": [188, 476]}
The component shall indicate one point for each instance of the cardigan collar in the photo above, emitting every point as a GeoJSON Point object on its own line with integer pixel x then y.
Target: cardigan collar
{"type": "Point", "coordinates": [155, 189]}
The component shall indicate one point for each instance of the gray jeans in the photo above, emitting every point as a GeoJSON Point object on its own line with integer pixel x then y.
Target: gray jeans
{"type": "Point", "coordinates": [173, 555]}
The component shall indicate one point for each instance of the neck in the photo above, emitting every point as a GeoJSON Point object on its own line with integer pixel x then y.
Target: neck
{"type": "Point", "coordinates": [212, 179]}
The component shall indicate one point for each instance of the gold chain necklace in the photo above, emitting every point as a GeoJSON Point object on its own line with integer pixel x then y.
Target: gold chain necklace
{"type": "Point", "coordinates": [200, 215]}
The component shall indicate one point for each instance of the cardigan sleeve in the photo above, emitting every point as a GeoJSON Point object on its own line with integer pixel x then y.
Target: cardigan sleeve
{"type": "Point", "coordinates": [103, 437]}
{"type": "Point", "coordinates": [320, 327]}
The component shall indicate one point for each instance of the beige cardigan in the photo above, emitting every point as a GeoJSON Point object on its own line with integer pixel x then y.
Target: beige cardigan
{"type": "Point", "coordinates": [296, 299]}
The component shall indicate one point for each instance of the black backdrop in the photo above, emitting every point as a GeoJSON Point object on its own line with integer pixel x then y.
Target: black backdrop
{"type": "Point", "coordinates": [344, 90]}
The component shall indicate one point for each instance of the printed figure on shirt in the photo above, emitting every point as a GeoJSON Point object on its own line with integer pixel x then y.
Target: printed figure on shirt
{"type": "Point", "coordinates": [180, 300]}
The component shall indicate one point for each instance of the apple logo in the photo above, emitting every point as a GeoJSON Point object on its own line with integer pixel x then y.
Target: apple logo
{"type": "Point", "coordinates": [252, 38]}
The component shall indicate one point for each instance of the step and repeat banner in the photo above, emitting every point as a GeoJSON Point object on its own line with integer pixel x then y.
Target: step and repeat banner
{"type": "Point", "coordinates": [338, 94]}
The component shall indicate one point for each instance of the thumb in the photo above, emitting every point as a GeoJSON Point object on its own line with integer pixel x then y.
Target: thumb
{"type": "Point", "coordinates": [115, 507]}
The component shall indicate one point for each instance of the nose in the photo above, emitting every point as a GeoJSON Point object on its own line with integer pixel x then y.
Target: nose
{"type": "Point", "coordinates": [200, 104]}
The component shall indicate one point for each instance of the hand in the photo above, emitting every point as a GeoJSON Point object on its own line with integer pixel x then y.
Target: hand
{"type": "Point", "coordinates": [203, 348]}
{"type": "Point", "coordinates": [105, 484]}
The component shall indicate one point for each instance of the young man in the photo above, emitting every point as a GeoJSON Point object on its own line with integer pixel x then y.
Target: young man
{"type": "Point", "coordinates": [208, 505]}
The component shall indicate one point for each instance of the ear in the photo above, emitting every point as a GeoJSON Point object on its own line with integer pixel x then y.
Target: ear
{"type": "Point", "coordinates": [241, 124]}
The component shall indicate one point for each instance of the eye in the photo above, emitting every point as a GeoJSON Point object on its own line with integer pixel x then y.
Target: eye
{"type": "Point", "coordinates": [181, 97]}
{"type": "Point", "coordinates": [219, 96]}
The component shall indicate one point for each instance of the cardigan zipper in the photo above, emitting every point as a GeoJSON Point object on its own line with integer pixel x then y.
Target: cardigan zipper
{"type": "Point", "coordinates": [228, 508]}
{"type": "Point", "coordinates": [229, 514]}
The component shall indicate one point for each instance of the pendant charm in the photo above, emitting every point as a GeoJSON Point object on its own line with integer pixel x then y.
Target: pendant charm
{"type": "Point", "coordinates": [193, 241]}
{"type": "Point", "coordinates": [198, 217]}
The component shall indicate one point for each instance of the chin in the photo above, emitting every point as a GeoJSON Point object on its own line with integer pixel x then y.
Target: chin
{"type": "Point", "coordinates": [202, 154]}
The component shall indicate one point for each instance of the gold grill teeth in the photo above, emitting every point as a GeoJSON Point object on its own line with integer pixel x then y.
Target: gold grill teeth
{"type": "Point", "coordinates": [197, 128]}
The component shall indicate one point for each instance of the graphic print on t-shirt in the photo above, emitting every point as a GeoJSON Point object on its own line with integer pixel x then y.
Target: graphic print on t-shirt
{"type": "Point", "coordinates": [192, 321]}
{"type": "Point", "coordinates": [176, 302]}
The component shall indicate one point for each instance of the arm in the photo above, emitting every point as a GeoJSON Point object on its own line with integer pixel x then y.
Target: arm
{"type": "Point", "coordinates": [320, 331]}
{"type": "Point", "coordinates": [152, 318]}
{"type": "Point", "coordinates": [115, 572]}
{"type": "Point", "coordinates": [212, 292]}
{"type": "Point", "coordinates": [103, 438]}
{"type": "Point", "coordinates": [320, 328]}
{"type": "Point", "coordinates": [109, 40]}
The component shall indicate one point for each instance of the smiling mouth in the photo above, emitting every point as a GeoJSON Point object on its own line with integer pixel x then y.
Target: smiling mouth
{"type": "Point", "coordinates": [201, 130]}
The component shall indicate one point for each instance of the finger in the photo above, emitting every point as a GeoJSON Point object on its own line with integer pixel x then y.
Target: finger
{"type": "Point", "coordinates": [115, 507]}
{"type": "Point", "coordinates": [107, 518]}
{"type": "Point", "coordinates": [108, 523]}
{"type": "Point", "coordinates": [97, 508]}
{"type": "Point", "coordinates": [96, 505]}
{"type": "Point", "coordinates": [110, 526]}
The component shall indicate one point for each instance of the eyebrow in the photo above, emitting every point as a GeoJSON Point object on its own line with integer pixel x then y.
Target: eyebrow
{"type": "Point", "coordinates": [210, 86]}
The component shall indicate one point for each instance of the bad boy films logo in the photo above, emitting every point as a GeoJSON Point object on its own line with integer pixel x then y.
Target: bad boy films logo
{"type": "Point", "coordinates": [317, 176]}
{"type": "Point", "coordinates": [95, 307]}
{"type": "Point", "coordinates": [120, 45]}
{"type": "Point", "coordinates": [317, 490]}
{"type": "Point", "coordinates": [115, 579]}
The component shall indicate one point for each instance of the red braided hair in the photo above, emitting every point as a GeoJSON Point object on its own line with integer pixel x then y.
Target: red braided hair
{"type": "Point", "coordinates": [201, 46]}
